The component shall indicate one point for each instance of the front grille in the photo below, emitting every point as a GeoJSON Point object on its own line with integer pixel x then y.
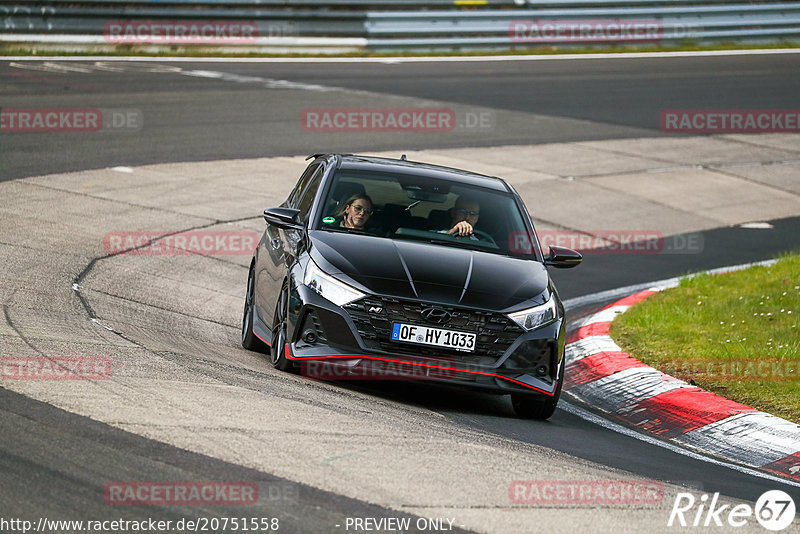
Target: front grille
{"type": "Point", "coordinates": [495, 332]}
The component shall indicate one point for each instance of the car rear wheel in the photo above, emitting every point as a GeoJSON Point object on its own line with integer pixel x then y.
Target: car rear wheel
{"type": "Point", "coordinates": [538, 406]}
{"type": "Point", "coordinates": [249, 339]}
{"type": "Point", "coordinates": [277, 352]}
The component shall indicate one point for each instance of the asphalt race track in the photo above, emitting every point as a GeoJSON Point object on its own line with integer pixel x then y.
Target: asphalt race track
{"type": "Point", "coordinates": [188, 404]}
{"type": "Point", "coordinates": [201, 112]}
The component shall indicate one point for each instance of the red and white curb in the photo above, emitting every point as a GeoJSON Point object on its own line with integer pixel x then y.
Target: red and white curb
{"type": "Point", "coordinates": [604, 377]}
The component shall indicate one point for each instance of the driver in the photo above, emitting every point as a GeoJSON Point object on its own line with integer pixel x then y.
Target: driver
{"type": "Point", "coordinates": [355, 213]}
{"type": "Point", "coordinates": [464, 216]}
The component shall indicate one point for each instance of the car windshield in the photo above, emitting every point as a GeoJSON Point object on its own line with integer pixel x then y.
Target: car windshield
{"type": "Point", "coordinates": [414, 207]}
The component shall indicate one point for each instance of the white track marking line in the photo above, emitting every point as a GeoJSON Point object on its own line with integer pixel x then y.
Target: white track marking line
{"type": "Point", "coordinates": [421, 59]}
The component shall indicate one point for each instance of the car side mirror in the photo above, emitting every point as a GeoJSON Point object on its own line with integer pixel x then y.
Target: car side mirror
{"type": "Point", "coordinates": [287, 218]}
{"type": "Point", "coordinates": [563, 258]}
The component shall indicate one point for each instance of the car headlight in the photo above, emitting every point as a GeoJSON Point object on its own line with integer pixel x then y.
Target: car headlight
{"type": "Point", "coordinates": [329, 287]}
{"type": "Point", "coordinates": [537, 316]}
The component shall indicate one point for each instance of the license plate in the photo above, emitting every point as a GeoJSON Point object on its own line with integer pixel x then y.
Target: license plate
{"type": "Point", "coordinates": [436, 337]}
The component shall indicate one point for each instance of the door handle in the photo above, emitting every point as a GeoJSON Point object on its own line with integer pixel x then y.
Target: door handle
{"type": "Point", "coordinates": [276, 243]}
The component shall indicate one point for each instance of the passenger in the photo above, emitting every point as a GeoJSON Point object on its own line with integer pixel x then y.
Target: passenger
{"type": "Point", "coordinates": [464, 216]}
{"type": "Point", "coordinates": [356, 212]}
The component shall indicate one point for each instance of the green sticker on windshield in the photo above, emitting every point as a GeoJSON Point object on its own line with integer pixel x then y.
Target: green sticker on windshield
{"type": "Point", "coordinates": [328, 220]}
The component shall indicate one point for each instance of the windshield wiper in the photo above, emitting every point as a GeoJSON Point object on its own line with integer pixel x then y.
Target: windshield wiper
{"type": "Point", "coordinates": [432, 238]}
{"type": "Point", "coordinates": [468, 244]}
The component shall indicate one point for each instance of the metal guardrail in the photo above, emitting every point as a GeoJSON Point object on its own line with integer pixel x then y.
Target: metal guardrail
{"type": "Point", "coordinates": [496, 24]}
{"type": "Point", "coordinates": [581, 25]}
{"type": "Point", "coordinates": [361, 5]}
{"type": "Point", "coordinates": [92, 20]}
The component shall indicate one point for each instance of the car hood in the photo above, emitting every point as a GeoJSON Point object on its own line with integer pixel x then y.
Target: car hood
{"type": "Point", "coordinates": [429, 272]}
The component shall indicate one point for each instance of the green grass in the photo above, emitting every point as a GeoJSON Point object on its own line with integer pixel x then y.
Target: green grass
{"type": "Point", "coordinates": [20, 49]}
{"type": "Point", "coordinates": [735, 334]}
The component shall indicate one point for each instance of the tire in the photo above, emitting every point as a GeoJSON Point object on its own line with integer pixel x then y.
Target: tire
{"type": "Point", "coordinates": [277, 354]}
{"type": "Point", "coordinates": [249, 340]}
{"type": "Point", "coordinates": [539, 407]}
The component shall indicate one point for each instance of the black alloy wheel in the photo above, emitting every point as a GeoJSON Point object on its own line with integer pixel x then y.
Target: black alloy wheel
{"type": "Point", "coordinates": [249, 340]}
{"type": "Point", "coordinates": [277, 352]}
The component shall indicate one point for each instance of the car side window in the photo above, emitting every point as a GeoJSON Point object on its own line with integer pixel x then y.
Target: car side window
{"type": "Point", "coordinates": [302, 185]}
{"type": "Point", "coordinates": [309, 192]}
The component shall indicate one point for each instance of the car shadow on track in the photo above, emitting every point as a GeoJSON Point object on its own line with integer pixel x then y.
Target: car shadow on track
{"type": "Point", "coordinates": [435, 397]}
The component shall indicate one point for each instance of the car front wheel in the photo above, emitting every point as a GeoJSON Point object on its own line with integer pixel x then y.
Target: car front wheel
{"type": "Point", "coordinates": [249, 339]}
{"type": "Point", "coordinates": [279, 328]}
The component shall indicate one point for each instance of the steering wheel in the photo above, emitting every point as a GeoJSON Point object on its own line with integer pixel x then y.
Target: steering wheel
{"type": "Point", "coordinates": [483, 236]}
{"type": "Point", "coordinates": [480, 234]}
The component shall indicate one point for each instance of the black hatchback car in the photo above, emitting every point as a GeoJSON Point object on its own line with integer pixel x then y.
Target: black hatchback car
{"type": "Point", "coordinates": [390, 269]}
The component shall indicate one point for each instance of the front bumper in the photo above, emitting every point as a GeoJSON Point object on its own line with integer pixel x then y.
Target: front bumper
{"type": "Point", "coordinates": [330, 342]}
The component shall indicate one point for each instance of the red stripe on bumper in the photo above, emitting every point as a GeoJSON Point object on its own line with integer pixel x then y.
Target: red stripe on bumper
{"type": "Point", "coordinates": [405, 362]}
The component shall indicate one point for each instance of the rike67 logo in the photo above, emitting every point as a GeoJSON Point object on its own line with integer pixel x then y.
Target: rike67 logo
{"type": "Point", "coordinates": [774, 510]}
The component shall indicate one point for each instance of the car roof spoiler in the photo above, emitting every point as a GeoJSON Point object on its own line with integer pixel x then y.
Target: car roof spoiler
{"type": "Point", "coordinates": [321, 154]}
